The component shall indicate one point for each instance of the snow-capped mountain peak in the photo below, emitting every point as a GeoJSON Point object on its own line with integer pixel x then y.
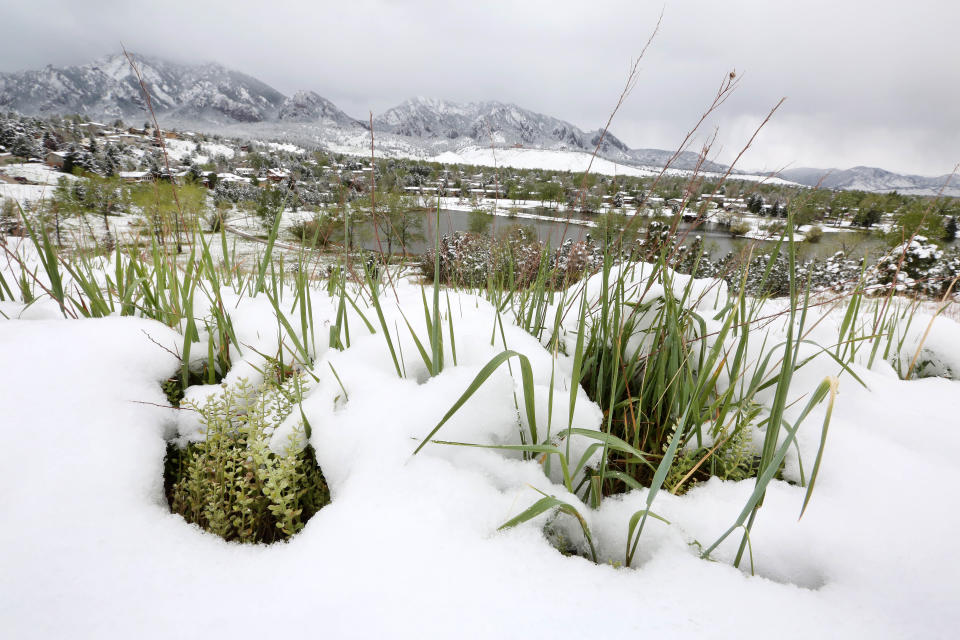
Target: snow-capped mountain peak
{"type": "Point", "coordinates": [212, 97]}
{"type": "Point", "coordinates": [108, 88]}
{"type": "Point", "coordinates": [308, 106]}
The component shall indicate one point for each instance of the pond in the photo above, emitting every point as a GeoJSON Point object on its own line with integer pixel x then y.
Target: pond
{"type": "Point", "coordinates": [717, 240]}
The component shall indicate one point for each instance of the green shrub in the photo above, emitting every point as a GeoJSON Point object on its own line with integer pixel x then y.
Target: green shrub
{"type": "Point", "coordinates": [814, 233]}
{"type": "Point", "coordinates": [740, 227]}
{"type": "Point", "coordinates": [313, 233]}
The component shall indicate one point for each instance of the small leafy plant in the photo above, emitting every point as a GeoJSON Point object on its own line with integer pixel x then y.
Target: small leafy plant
{"type": "Point", "coordinates": [232, 483]}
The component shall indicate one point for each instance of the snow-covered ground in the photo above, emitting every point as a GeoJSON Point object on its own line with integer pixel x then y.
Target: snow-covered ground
{"type": "Point", "coordinates": [409, 546]}
{"type": "Point", "coordinates": [553, 160]}
{"type": "Point", "coordinates": [178, 150]}
{"type": "Point", "coordinates": [25, 194]}
{"type": "Point", "coordinates": [282, 146]}
{"type": "Point", "coordinates": [42, 178]}
{"type": "Point", "coordinates": [576, 161]}
{"type": "Point", "coordinates": [35, 172]}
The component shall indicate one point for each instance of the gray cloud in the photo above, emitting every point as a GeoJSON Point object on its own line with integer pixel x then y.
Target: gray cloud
{"type": "Point", "coordinates": [867, 82]}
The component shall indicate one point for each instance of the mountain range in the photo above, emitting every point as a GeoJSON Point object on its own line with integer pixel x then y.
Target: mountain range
{"type": "Point", "coordinates": [210, 97]}
{"type": "Point", "coordinates": [873, 179]}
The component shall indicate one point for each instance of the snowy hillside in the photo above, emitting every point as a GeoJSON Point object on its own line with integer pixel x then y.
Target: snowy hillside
{"type": "Point", "coordinates": [575, 161]}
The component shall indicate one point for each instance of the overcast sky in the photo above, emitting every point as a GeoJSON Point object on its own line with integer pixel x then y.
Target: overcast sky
{"type": "Point", "coordinates": [874, 83]}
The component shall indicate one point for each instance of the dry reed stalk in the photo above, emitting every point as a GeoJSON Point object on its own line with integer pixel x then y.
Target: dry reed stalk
{"type": "Point", "coordinates": [163, 145]}
{"type": "Point", "coordinates": [944, 302]}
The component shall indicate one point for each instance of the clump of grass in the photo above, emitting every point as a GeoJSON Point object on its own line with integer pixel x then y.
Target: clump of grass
{"type": "Point", "coordinates": [315, 233]}
{"type": "Point", "coordinates": [679, 401]}
{"type": "Point", "coordinates": [232, 483]}
{"type": "Point", "coordinates": [740, 228]}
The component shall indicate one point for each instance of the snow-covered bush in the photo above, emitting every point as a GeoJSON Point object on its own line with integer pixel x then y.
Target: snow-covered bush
{"type": "Point", "coordinates": [516, 258]}
{"type": "Point", "coordinates": [907, 267]}
{"type": "Point", "coordinates": [836, 273]}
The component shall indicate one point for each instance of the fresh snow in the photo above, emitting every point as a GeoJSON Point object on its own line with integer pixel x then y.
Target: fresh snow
{"type": "Point", "coordinates": [409, 547]}
{"type": "Point", "coordinates": [576, 161]}
{"type": "Point", "coordinates": [553, 160]}
{"type": "Point", "coordinates": [27, 195]}
{"type": "Point", "coordinates": [178, 150]}
{"type": "Point", "coordinates": [35, 172]}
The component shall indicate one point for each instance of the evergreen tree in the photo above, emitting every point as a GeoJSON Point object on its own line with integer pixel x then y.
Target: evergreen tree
{"type": "Point", "coordinates": [50, 142]}
{"type": "Point", "coordinates": [69, 159]}
{"type": "Point", "coordinates": [950, 229]}
{"type": "Point", "coordinates": [25, 147]}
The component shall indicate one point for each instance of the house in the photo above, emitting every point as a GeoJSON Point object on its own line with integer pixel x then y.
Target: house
{"type": "Point", "coordinates": [231, 177]}
{"type": "Point", "coordinates": [126, 138]}
{"type": "Point", "coordinates": [134, 176]}
{"type": "Point", "coordinates": [735, 204]}
{"type": "Point", "coordinates": [56, 159]}
{"type": "Point", "coordinates": [94, 128]}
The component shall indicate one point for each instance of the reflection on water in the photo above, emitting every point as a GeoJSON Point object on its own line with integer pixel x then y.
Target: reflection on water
{"type": "Point", "coordinates": [717, 241]}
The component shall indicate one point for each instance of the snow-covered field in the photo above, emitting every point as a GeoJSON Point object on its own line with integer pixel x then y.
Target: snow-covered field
{"type": "Point", "coordinates": [44, 179]}
{"type": "Point", "coordinates": [409, 546]}
{"type": "Point", "coordinates": [178, 150]}
{"type": "Point", "coordinates": [539, 159]}
{"type": "Point", "coordinates": [25, 194]}
{"type": "Point", "coordinates": [35, 172]}
{"type": "Point", "coordinates": [576, 161]}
